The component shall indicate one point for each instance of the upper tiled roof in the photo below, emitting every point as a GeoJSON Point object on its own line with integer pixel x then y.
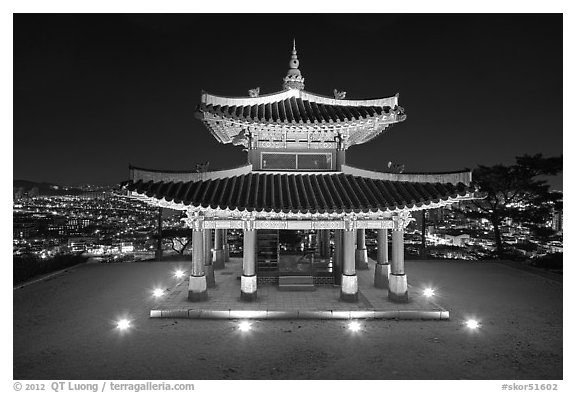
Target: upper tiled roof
{"type": "Point", "coordinates": [296, 106]}
{"type": "Point", "coordinates": [300, 193]}
{"type": "Point", "coordinates": [296, 110]}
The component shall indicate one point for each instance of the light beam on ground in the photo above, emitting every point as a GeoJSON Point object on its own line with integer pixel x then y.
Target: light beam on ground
{"type": "Point", "coordinates": [354, 326]}
{"type": "Point", "coordinates": [429, 292]}
{"type": "Point", "coordinates": [244, 326]}
{"type": "Point", "coordinates": [123, 324]}
{"type": "Point", "coordinates": [472, 324]}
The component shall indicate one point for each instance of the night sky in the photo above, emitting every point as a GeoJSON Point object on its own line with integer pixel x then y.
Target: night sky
{"type": "Point", "coordinates": [95, 92]}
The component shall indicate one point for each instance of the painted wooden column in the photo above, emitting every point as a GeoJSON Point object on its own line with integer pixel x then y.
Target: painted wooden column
{"type": "Point", "coordinates": [197, 280]}
{"type": "Point", "coordinates": [226, 246]}
{"type": "Point", "coordinates": [382, 269]}
{"type": "Point", "coordinates": [218, 260]}
{"type": "Point", "coordinates": [349, 285]}
{"type": "Point", "coordinates": [320, 241]}
{"type": "Point", "coordinates": [397, 281]}
{"type": "Point", "coordinates": [361, 252]}
{"type": "Point", "coordinates": [159, 252]}
{"type": "Point", "coordinates": [248, 281]}
{"type": "Point", "coordinates": [337, 259]}
{"type": "Point", "coordinates": [208, 266]}
{"type": "Point", "coordinates": [326, 243]}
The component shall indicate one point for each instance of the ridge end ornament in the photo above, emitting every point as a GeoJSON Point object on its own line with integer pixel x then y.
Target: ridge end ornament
{"type": "Point", "coordinates": [339, 95]}
{"type": "Point", "coordinates": [253, 93]}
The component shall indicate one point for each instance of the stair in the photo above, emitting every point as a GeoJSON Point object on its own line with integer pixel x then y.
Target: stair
{"type": "Point", "coordinates": [296, 283]}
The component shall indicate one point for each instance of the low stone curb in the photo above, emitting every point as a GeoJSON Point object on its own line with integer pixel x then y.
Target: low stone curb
{"type": "Point", "coordinates": [322, 315]}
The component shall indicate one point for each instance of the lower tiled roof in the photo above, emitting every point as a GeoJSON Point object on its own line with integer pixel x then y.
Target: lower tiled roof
{"type": "Point", "coordinates": [300, 193]}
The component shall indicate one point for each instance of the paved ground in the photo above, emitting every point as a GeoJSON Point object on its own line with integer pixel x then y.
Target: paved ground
{"type": "Point", "coordinates": [64, 329]}
{"type": "Point", "coordinates": [226, 295]}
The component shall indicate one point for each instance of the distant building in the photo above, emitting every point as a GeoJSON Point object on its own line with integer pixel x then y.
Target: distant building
{"type": "Point", "coordinates": [459, 240]}
{"type": "Point", "coordinates": [557, 221]}
{"type": "Point", "coordinates": [25, 230]}
{"type": "Point", "coordinates": [80, 244]}
{"type": "Point", "coordinates": [126, 247]}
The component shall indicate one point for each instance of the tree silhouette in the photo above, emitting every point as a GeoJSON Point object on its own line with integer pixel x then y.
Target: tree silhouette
{"type": "Point", "coordinates": [516, 192]}
{"type": "Point", "coordinates": [180, 238]}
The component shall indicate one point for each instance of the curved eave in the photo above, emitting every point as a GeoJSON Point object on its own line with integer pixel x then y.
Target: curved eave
{"type": "Point", "coordinates": [208, 116]}
{"type": "Point", "coordinates": [335, 193]}
{"type": "Point", "coordinates": [360, 124]}
{"type": "Point", "coordinates": [147, 174]}
{"type": "Point", "coordinates": [464, 176]}
{"type": "Point", "coordinates": [228, 212]}
{"type": "Point", "coordinates": [212, 99]}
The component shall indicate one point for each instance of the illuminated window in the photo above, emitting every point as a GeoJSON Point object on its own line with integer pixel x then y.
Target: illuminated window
{"type": "Point", "coordinates": [297, 161]}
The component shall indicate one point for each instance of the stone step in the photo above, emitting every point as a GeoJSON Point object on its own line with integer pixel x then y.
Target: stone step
{"type": "Point", "coordinates": [296, 283]}
{"type": "Point", "coordinates": [296, 280]}
{"type": "Point", "coordinates": [296, 287]}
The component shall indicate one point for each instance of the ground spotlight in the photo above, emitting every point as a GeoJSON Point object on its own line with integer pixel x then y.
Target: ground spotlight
{"type": "Point", "coordinates": [472, 324]}
{"type": "Point", "coordinates": [158, 292]}
{"type": "Point", "coordinates": [429, 292]}
{"type": "Point", "coordinates": [123, 324]}
{"type": "Point", "coordinates": [354, 326]}
{"type": "Point", "coordinates": [244, 326]}
{"type": "Point", "coordinates": [179, 273]}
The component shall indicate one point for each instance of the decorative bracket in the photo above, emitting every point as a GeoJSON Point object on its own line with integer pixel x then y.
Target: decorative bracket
{"type": "Point", "coordinates": [350, 223]}
{"type": "Point", "coordinates": [402, 220]}
{"type": "Point", "coordinates": [194, 220]}
{"type": "Point", "coordinates": [249, 223]}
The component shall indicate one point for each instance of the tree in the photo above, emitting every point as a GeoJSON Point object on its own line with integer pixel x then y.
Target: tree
{"type": "Point", "coordinates": [180, 238]}
{"type": "Point", "coordinates": [516, 192]}
{"type": "Point", "coordinates": [423, 236]}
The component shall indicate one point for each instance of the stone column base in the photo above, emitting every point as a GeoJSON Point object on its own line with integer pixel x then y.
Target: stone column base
{"type": "Point", "coordinates": [248, 288]}
{"type": "Point", "coordinates": [361, 259]}
{"type": "Point", "coordinates": [197, 289]}
{"type": "Point", "coordinates": [209, 273]}
{"type": "Point", "coordinates": [381, 273]}
{"type": "Point", "coordinates": [349, 288]}
{"type": "Point", "coordinates": [398, 288]}
{"type": "Point", "coordinates": [218, 260]}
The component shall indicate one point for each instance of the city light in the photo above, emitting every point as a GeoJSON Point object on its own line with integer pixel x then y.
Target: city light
{"type": "Point", "coordinates": [472, 324]}
{"type": "Point", "coordinates": [158, 292]}
{"type": "Point", "coordinates": [179, 273]}
{"type": "Point", "coordinates": [354, 326]}
{"type": "Point", "coordinates": [244, 326]}
{"type": "Point", "coordinates": [123, 324]}
{"type": "Point", "coordinates": [429, 292]}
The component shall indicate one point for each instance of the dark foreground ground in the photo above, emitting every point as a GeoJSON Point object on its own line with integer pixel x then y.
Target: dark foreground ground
{"type": "Point", "coordinates": [64, 329]}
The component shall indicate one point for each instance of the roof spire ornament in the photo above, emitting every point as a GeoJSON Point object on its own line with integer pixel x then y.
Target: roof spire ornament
{"type": "Point", "coordinates": [293, 79]}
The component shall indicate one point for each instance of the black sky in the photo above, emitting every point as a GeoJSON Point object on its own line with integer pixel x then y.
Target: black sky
{"type": "Point", "coordinates": [95, 92]}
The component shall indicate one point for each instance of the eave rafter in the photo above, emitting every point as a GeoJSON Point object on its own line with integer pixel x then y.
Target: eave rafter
{"type": "Point", "coordinates": [236, 131]}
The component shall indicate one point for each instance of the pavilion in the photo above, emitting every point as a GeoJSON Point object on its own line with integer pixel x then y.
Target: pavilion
{"type": "Point", "coordinates": [297, 178]}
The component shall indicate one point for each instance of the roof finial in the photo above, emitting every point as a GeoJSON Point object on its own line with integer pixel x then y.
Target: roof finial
{"type": "Point", "coordinates": [294, 79]}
